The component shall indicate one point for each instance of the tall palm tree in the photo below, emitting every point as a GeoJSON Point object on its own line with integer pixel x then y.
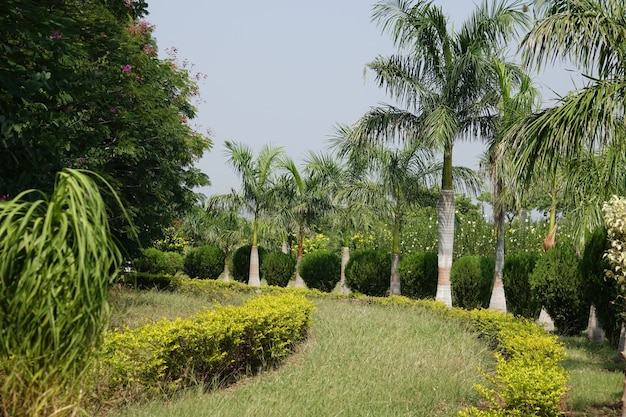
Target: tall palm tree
{"type": "Point", "coordinates": [398, 178]}
{"type": "Point", "coordinates": [588, 121]}
{"type": "Point", "coordinates": [348, 213]}
{"type": "Point", "coordinates": [443, 81]}
{"type": "Point", "coordinates": [516, 98]}
{"type": "Point", "coordinates": [306, 200]}
{"type": "Point", "coordinates": [257, 193]}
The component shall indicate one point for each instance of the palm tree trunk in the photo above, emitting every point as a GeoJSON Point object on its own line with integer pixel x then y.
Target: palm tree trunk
{"type": "Point", "coordinates": [254, 278]}
{"type": "Point", "coordinates": [226, 273]}
{"type": "Point", "coordinates": [498, 298]}
{"type": "Point", "coordinates": [445, 218]}
{"type": "Point", "coordinates": [394, 287]}
{"type": "Point", "coordinates": [345, 257]}
{"type": "Point", "coordinates": [299, 281]}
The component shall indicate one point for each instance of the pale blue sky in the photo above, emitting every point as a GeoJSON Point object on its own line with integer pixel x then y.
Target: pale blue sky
{"type": "Point", "coordinates": [286, 72]}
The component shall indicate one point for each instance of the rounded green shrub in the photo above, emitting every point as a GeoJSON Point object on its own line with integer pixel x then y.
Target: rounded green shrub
{"type": "Point", "coordinates": [418, 274]}
{"type": "Point", "coordinates": [472, 281]}
{"type": "Point", "coordinates": [368, 272]}
{"type": "Point", "coordinates": [556, 282]}
{"type": "Point", "coordinates": [204, 262]}
{"type": "Point", "coordinates": [155, 261]}
{"type": "Point", "coordinates": [320, 270]}
{"type": "Point", "coordinates": [515, 277]}
{"type": "Point", "coordinates": [278, 268]}
{"type": "Point", "coordinates": [600, 291]}
{"type": "Point", "coordinates": [240, 263]}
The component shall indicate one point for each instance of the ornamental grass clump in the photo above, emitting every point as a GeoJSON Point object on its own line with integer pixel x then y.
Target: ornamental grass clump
{"type": "Point", "coordinates": [57, 260]}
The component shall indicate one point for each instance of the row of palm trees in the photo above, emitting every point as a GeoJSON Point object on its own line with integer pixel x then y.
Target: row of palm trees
{"type": "Point", "coordinates": [450, 85]}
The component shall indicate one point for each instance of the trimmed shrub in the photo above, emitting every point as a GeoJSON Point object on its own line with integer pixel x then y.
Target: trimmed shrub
{"type": "Point", "coordinates": [599, 290]}
{"type": "Point", "coordinates": [204, 262]}
{"type": "Point", "coordinates": [515, 277]}
{"type": "Point", "coordinates": [278, 268]}
{"type": "Point", "coordinates": [148, 281]}
{"type": "Point", "coordinates": [418, 274]}
{"type": "Point", "coordinates": [472, 281]}
{"type": "Point", "coordinates": [321, 270]}
{"type": "Point", "coordinates": [368, 272]}
{"type": "Point", "coordinates": [556, 282]}
{"type": "Point", "coordinates": [214, 346]}
{"type": "Point", "coordinates": [155, 261]}
{"type": "Point", "coordinates": [240, 263]}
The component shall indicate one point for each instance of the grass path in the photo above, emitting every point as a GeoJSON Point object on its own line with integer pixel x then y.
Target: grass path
{"type": "Point", "coordinates": [360, 360]}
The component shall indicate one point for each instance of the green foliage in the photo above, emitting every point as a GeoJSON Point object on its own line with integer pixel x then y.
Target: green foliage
{"type": "Point", "coordinates": [418, 274]}
{"type": "Point", "coordinates": [599, 290]}
{"type": "Point", "coordinates": [102, 99]}
{"type": "Point", "coordinates": [214, 346]}
{"type": "Point", "coordinates": [204, 262]}
{"type": "Point", "coordinates": [557, 284]}
{"type": "Point", "coordinates": [278, 268]}
{"type": "Point", "coordinates": [321, 270]}
{"type": "Point", "coordinates": [148, 281]}
{"type": "Point", "coordinates": [472, 280]}
{"type": "Point", "coordinates": [155, 261]}
{"type": "Point", "coordinates": [172, 241]}
{"type": "Point", "coordinates": [516, 279]}
{"type": "Point", "coordinates": [529, 380]}
{"type": "Point", "coordinates": [57, 260]}
{"type": "Point", "coordinates": [614, 214]}
{"type": "Point", "coordinates": [368, 272]}
{"type": "Point", "coordinates": [241, 262]}
{"type": "Point", "coordinates": [318, 242]}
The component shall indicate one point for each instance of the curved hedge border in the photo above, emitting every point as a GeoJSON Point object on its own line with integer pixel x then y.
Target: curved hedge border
{"type": "Point", "coordinates": [214, 346]}
{"type": "Point", "coordinates": [528, 379]}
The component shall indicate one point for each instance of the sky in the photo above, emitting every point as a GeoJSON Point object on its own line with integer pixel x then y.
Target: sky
{"type": "Point", "coordinates": [288, 72]}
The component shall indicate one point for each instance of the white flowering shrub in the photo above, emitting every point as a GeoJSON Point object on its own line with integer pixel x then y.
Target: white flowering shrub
{"type": "Point", "coordinates": [614, 212]}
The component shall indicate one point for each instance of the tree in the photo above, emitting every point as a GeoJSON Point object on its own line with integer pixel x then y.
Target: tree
{"type": "Point", "coordinates": [257, 193]}
{"type": "Point", "coordinates": [587, 123]}
{"type": "Point", "coordinates": [102, 99]}
{"type": "Point", "coordinates": [443, 82]}
{"type": "Point", "coordinates": [516, 98]}
{"type": "Point", "coordinates": [397, 180]}
{"type": "Point", "coordinates": [306, 200]}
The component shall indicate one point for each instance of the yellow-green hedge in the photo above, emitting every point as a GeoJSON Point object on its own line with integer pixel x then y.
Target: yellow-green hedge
{"type": "Point", "coordinates": [214, 346]}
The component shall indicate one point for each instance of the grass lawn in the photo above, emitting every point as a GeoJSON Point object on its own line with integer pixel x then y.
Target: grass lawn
{"type": "Point", "coordinates": [366, 360]}
{"type": "Point", "coordinates": [360, 360]}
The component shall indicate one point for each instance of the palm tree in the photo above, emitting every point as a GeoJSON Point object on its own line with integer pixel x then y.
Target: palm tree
{"type": "Point", "coordinates": [398, 178]}
{"type": "Point", "coordinates": [306, 200]}
{"type": "Point", "coordinates": [586, 122]}
{"type": "Point", "coordinates": [516, 98]}
{"type": "Point", "coordinates": [443, 81]}
{"type": "Point", "coordinates": [257, 192]}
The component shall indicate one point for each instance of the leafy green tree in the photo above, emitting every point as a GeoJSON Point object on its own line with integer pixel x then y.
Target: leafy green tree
{"type": "Point", "coordinates": [443, 81]}
{"type": "Point", "coordinates": [257, 194]}
{"type": "Point", "coordinates": [82, 86]}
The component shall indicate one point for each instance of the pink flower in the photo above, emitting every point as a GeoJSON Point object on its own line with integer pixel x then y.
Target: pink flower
{"type": "Point", "coordinates": [56, 36]}
{"type": "Point", "coordinates": [149, 49]}
{"type": "Point", "coordinates": [112, 110]}
{"type": "Point", "coordinates": [4, 197]}
{"type": "Point", "coordinates": [127, 68]}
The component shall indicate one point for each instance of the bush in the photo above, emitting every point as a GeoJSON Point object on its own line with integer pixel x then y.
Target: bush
{"type": "Point", "coordinates": [368, 272]}
{"type": "Point", "coordinates": [472, 281]}
{"type": "Point", "coordinates": [240, 269]}
{"type": "Point", "coordinates": [599, 290]}
{"type": "Point", "coordinates": [515, 277]}
{"type": "Point", "coordinates": [321, 270]}
{"type": "Point", "coordinates": [418, 274]}
{"type": "Point", "coordinates": [214, 346]}
{"type": "Point", "coordinates": [155, 261]}
{"type": "Point", "coordinates": [557, 284]}
{"type": "Point", "coordinates": [278, 268]}
{"type": "Point", "coordinates": [204, 262]}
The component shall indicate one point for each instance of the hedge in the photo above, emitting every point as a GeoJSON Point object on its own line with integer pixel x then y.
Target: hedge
{"type": "Point", "coordinates": [214, 346]}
